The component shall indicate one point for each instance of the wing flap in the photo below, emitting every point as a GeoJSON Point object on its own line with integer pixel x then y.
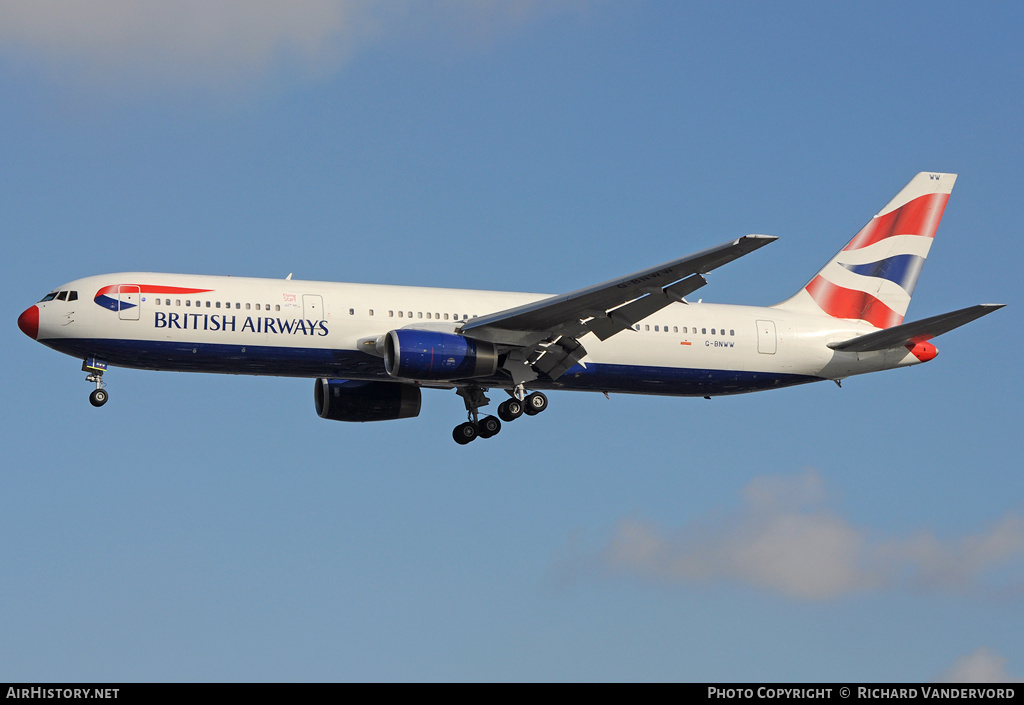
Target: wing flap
{"type": "Point", "coordinates": [627, 315]}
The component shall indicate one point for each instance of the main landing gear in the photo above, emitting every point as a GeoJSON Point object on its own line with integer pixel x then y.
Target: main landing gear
{"type": "Point", "coordinates": [510, 410]}
{"type": "Point", "coordinates": [96, 368]}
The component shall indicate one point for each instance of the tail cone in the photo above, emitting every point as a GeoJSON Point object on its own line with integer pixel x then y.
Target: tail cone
{"type": "Point", "coordinates": [923, 351]}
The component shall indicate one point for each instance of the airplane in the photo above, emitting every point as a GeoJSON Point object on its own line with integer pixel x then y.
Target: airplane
{"type": "Point", "coordinates": [372, 348]}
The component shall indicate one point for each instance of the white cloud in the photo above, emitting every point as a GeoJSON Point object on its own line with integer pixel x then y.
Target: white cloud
{"type": "Point", "coordinates": [217, 42]}
{"type": "Point", "coordinates": [982, 666]}
{"type": "Point", "coordinates": [202, 41]}
{"type": "Point", "coordinates": [957, 564]}
{"type": "Point", "coordinates": [784, 539]}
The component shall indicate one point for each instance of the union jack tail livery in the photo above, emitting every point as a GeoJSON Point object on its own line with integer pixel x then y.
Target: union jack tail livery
{"type": "Point", "coordinates": [873, 277]}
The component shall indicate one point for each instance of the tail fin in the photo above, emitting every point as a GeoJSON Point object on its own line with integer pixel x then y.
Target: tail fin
{"type": "Point", "coordinates": [873, 277]}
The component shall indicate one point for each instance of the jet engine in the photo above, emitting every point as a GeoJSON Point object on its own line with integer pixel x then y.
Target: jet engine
{"type": "Point", "coordinates": [351, 400]}
{"type": "Point", "coordinates": [426, 355]}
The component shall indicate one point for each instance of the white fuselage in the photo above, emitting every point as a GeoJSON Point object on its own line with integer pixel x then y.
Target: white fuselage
{"type": "Point", "coordinates": [319, 329]}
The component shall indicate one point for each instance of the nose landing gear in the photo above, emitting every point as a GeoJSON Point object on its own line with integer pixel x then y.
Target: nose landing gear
{"type": "Point", "coordinates": [96, 368]}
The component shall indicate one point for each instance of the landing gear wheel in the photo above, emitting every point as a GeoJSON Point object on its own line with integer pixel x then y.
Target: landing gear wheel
{"type": "Point", "coordinates": [464, 433]}
{"type": "Point", "coordinates": [535, 403]}
{"type": "Point", "coordinates": [510, 410]}
{"type": "Point", "coordinates": [98, 397]}
{"type": "Point", "coordinates": [488, 426]}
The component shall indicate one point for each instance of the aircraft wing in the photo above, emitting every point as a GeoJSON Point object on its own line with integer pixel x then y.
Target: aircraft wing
{"type": "Point", "coordinates": [643, 293]}
{"type": "Point", "coordinates": [915, 332]}
{"type": "Point", "coordinates": [543, 333]}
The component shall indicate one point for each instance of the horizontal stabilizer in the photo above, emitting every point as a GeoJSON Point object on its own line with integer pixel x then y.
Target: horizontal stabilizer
{"type": "Point", "coordinates": [915, 332]}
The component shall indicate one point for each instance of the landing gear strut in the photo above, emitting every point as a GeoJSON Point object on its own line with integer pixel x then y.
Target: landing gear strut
{"type": "Point", "coordinates": [509, 410]}
{"type": "Point", "coordinates": [96, 368]}
{"type": "Point", "coordinates": [486, 427]}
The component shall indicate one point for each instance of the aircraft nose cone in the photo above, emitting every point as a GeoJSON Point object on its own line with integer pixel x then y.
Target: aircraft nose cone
{"type": "Point", "coordinates": [29, 322]}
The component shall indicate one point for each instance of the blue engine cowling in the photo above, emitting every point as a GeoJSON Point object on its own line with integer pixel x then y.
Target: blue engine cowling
{"type": "Point", "coordinates": [351, 400]}
{"type": "Point", "coordinates": [426, 355]}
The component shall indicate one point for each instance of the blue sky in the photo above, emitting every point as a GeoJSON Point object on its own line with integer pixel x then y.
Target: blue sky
{"type": "Point", "coordinates": [213, 528]}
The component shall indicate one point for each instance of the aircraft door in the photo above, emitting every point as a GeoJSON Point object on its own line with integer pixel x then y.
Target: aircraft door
{"type": "Point", "coordinates": [766, 339]}
{"type": "Point", "coordinates": [312, 307]}
{"type": "Point", "coordinates": [128, 299]}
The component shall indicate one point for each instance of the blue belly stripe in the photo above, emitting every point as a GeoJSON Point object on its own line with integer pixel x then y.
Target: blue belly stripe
{"type": "Point", "coordinates": [350, 364]}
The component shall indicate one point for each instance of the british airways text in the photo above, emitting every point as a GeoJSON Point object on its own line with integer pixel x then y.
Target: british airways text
{"type": "Point", "coordinates": [207, 321]}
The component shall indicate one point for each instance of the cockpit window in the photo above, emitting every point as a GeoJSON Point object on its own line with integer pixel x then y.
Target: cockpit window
{"type": "Point", "coordinates": [62, 296]}
{"type": "Point", "coordinates": [72, 296]}
{"type": "Point", "coordinates": [49, 297]}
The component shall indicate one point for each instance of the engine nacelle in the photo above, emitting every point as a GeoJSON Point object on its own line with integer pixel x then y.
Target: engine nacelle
{"type": "Point", "coordinates": [351, 400]}
{"type": "Point", "coordinates": [426, 355]}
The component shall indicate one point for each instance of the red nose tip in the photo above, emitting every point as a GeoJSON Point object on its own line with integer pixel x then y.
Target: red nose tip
{"type": "Point", "coordinates": [29, 322]}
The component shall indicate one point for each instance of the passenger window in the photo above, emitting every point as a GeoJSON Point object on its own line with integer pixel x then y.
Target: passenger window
{"type": "Point", "coordinates": [703, 331]}
{"type": "Point", "coordinates": [277, 307]}
{"type": "Point", "coordinates": [218, 304]}
{"type": "Point", "coordinates": [391, 314]}
{"type": "Point", "coordinates": [655, 329]}
{"type": "Point", "coordinates": [400, 314]}
{"type": "Point", "coordinates": [446, 316]}
{"type": "Point", "coordinates": [188, 302]}
{"type": "Point", "coordinates": [732, 332]}
{"type": "Point", "coordinates": [257, 307]}
{"type": "Point", "coordinates": [248, 306]}
{"type": "Point", "coordinates": [675, 329]}
{"type": "Point", "coordinates": [371, 311]}
{"type": "Point", "coordinates": [419, 314]}
{"type": "Point", "coordinates": [351, 312]}
{"type": "Point", "coordinates": [207, 304]}
{"type": "Point", "coordinates": [177, 302]}
{"type": "Point", "coordinates": [410, 314]}
{"type": "Point", "coordinates": [647, 327]}
{"type": "Point", "coordinates": [428, 315]}
{"type": "Point", "coordinates": [636, 327]}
